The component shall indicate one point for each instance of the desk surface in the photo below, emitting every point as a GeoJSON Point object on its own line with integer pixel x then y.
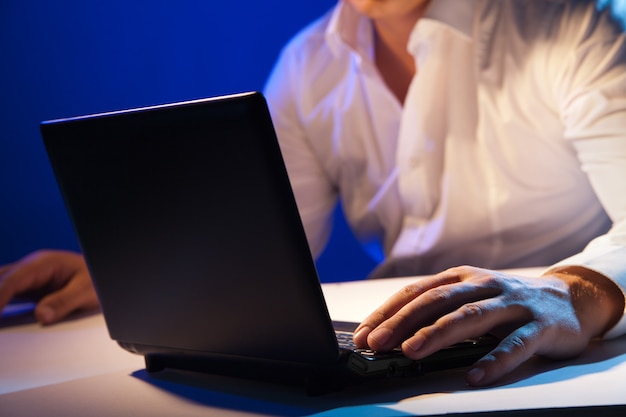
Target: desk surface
{"type": "Point", "coordinates": [73, 368]}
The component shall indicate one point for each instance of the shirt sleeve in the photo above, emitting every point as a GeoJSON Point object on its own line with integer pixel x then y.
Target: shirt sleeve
{"type": "Point", "coordinates": [593, 97]}
{"type": "Point", "coordinates": [315, 194]}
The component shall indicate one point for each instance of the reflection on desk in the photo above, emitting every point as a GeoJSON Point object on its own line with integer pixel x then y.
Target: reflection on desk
{"type": "Point", "coordinates": [73, 369]}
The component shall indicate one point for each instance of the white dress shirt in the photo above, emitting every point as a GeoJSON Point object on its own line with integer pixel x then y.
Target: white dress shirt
{"type": "Point", "coordinates": [509, 150]}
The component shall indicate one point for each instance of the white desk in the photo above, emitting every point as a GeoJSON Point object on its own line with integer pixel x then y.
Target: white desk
{"type": "Point", "coordinates": [74, 369]}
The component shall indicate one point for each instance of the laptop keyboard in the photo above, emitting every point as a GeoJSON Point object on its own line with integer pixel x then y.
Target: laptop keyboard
{"type": "Point", "coordinates": [344, 333]}
{"type": "Point", "coordinates": [344, 339]}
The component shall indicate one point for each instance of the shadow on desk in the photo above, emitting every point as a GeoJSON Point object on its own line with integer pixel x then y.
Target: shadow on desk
{"type": "Point", "coordinates": [599, 357]}
{"type": "Point", "coordinates": [281, 400]}
{"type": "Point", "coordinates": [369, 398]}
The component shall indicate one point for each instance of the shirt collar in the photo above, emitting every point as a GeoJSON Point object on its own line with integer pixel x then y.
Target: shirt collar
{"type": "Point", "coordinates": [462, 20]}
{"type": "Point", "coordinates": [348, 27]}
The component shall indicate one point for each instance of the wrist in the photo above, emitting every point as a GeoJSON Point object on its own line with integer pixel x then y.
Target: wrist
{"type": "Point", "coordinates": [597, 300]}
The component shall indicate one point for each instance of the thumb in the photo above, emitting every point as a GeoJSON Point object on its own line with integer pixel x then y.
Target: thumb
{"type": "Point", "coordinates": [59, 304]}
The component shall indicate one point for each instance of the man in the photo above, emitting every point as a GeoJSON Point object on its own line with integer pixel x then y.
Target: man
{"type": "Point", "coordinates": [488, 133]}
{"type": "Point", "coordinates": [479, 132]}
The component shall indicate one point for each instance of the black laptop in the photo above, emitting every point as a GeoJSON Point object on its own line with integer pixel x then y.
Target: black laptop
{"type": "Point", "coordinates": [187, 220]}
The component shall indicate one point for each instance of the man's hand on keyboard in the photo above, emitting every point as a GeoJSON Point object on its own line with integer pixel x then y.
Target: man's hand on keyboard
{"type": "Point", "coordinates": [554, 315]}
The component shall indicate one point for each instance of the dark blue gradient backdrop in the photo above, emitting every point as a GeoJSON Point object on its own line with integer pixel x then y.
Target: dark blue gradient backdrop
{"type": "Point", "coordinates": [73, 57]}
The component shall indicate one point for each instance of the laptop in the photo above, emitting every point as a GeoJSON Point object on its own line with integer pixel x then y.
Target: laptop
{"type": "Point", "coordinates": [187, 221]}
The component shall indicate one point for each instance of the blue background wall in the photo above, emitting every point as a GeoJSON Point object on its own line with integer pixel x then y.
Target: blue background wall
{"type": "Point", "coordinates": [71, 57]}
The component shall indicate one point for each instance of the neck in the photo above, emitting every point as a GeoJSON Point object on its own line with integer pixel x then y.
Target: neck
{"type": "Point", "coordinates": [394, 34]}
{"type": "Point", "coordinates": [395, 64]}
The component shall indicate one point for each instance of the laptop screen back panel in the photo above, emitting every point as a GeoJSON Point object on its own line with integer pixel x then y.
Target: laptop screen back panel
{"type": "Point", "coordinates": [190, 230]}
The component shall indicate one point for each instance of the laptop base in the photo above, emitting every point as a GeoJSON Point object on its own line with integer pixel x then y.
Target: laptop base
{"type": "Point", "coordinates": [313, 379]}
